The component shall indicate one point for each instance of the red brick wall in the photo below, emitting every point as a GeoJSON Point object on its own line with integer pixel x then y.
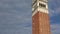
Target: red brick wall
{"type": "Point", "coordinates": [35, 23]}
{"type": "Point", "coordinates": [44, 25]}
{"type": "Point", "coordinates": [40, 23]}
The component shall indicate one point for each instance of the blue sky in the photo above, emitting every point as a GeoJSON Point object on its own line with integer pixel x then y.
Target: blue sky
{"type": "Point", "coordinates": [54, 9]}
{"type": "Point", "coordinates": [16, 16]}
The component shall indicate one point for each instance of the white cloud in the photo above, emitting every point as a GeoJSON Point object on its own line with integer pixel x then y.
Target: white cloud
{"type": "Point", "coordinates": [14, 11]}
{"type": "Point", "coordinates": [54, 7]}
{"type": "Point", "coordinates": [55, 28]}
{"type": "Point", "coordinates": [54, 12]}
{"type": "Point", "coordinates": [14, 15]}
{"type": "Point", "coordinates": [51, 12]}
{"type": "Point", "coordinates": [57, 10]}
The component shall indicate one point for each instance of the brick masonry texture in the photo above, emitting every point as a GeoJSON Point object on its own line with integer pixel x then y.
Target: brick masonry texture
{"type": "Point", "coordinates": [40, 23]}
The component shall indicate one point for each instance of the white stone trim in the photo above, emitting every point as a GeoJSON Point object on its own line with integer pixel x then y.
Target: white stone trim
{"type": "Point", "coordinates": [42, 2]}
{"type": "Point", "coordinates": [35, 12]}
{"type": "Point", "coordinates": [43, 10]}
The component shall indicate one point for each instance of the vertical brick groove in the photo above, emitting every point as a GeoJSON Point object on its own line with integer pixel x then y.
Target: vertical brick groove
{"type": "Point", "coordinates": [40, 23]}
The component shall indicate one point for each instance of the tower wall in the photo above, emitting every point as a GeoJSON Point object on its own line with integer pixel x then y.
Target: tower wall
{"type": "Point", "coordinates": [35, 23]}
{"type": "Point", "coordinates": [40, 18]}
{"type": "Point", "coordinates": [44, 24]}
{"type": "Point", "coordinates": [40, 23]}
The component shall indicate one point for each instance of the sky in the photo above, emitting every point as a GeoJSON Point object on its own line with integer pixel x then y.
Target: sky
{"type": "Point", "coordinates": [16, 16]}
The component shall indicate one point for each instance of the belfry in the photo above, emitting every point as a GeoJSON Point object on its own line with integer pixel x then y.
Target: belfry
{"type": "Point", "coordinates": [40, 17]}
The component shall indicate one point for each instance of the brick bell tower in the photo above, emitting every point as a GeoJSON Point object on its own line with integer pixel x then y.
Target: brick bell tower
{"type": "Point", "coordinates": [40, 18]}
